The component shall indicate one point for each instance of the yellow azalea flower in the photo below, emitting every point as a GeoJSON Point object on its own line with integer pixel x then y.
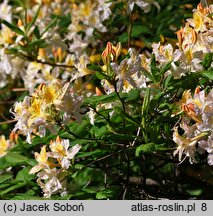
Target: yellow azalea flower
{"type": "Point", "coordinates": [198, 20]}
{"type": "Point", "coordinates": [82, 66]}
{"type": "Point", "coordinates": [47, 93]}
{"type": "Point", "coordinates": [4, 144]}
{"type": "Point", "coordinates": [185, 146]}
{"type": "Point", "coordinates": [86, 9]}
{"type": "Point", "coordinates": [42, 157]}
{"type": "Point", "coordinates": [62, 152]}
{"type": "Point", "coordinates": [35, 107]}
{"type": "Point", "coordinates": [36, 112]}
{"type": "Point", "coordinates": [52, 166]}
{"type": "Point", "coordinates": [57, 147]}
{"type": "Point", "coordinates": [187, 105]}
{"type": "Point", "coordinates": [189, 54]}
{"type": "Point", "coordinates": [70, 60]}
{"type": "Point", "coordinates": [41, 111]}
{"type": "Point", "coordinates": [7, 36]}
{"type": "Point", "coordinates": [42, 160]}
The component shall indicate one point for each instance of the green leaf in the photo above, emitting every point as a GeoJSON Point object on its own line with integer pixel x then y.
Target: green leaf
{"type": "Point", "coordinates": [100, 75]}
{"type": "Point", "coordinates": [154, 70]}
{"type": "Point", "coordinates": [24, 176]}
{"type": "Point", "coordinates": [96, 153]}
{"type": "Point", "coordinates": [208, 74]}
{"type": "Point", "coordinates": [167, 81]}
{"type": "Point", "coordinates": [149, 148]}
{"type": "Point", "coordinates": [109, 193]}
{"type": "Point", "coordinates": [194, 192]}
{"type": "Point", "coordinates": [5, 177]}
{"type": "Point", "coordinates": [13, 28]}
{"type": "Point", "coordinates": [41, 43]}
{"type": "Point", "coordinates": [12, 188]}
{"type": "Point", "coordinates": [146, 73]}
{"type": "Point", "coordinates": [145, 107]}
{"type": "Point", "coordinates": [5, 185]}
{"type": "Point", "coordinates": [99, 131]}
{"type": "Point", "coordinates": [207, 60]}
{"type": "Point", "coordinates": [23, 147]}
{"type": "Point", "coordinates": [165, 68]}
{"type": "Point", "coordinates": [64, 21]}
{"type": "Point", "coordinates": [3, 163]}
{"type": "Point", "coordinates": [139, 29]}
{"type": "Point", "coordinates": [80, 129]}
{"type": "Point", "coordinates": [24, 196]}
{"type": "Point", "coordinates": [51, 24]}
{"type": "Point", "coordinates": [145, 148]}
{"type": "Point", "coordinates": [33, 20]}
{"type": "Point", "coordinates": [12, 159]}
{"type": "Point", "coordinates": [37, 32]}
{"type": "Point", "coordinates": [95, 100]}
{"type": "Point", "coordinates": [125, 116]}
{"type": "Point", "coordinates": [123, 37]}
{"type": "Point", "coordinates": [133, 95]}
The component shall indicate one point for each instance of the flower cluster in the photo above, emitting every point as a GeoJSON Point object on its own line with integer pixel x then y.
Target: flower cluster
{"type": "Point", "coordinates": [49, 105]}
{"type": "Point", "coordinates": [194, 41]}
{"type": "Point", "coordinates": [88, 16]}
{"type": "Point", "coordinates": [197, 123]}
{"type": "Point", "coordinates": [52, 167]}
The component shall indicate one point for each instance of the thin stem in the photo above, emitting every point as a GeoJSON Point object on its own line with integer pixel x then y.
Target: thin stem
{"type": "Point", "coordinates": [107, 120]}
{"type": "Point", "coordinates": [123, 106]}
{"type": "Point", "coordinates": [65, 127]}
{"type": "Point", "coordinates": [8, 122]}
{"type": "Point", "coordinates": [33, 59]}
{"type": "Point", "coordinates": [127, 175]}
{"type": "Point", "coordinates": [54, 64]}
{"type": "Point", "coordinates": [104, 157]}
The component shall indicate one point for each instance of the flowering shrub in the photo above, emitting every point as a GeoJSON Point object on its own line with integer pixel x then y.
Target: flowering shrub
{"type": "Point", "coordinates": [108, 96]}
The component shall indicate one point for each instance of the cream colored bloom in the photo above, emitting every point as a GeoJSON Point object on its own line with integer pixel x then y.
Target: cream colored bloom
{"type": "Point", "coordinates": [186, 146]}
{"type": "Point", "coordinates": [128, 73]}
{"type": "Point", "coordinates": [43, 110]}
{"type": "Point", "coordinates": [42, 160]}
{"type": "Point", "coordinates": [145, 5]}
{"type": "Point", "coordinates": [198, 108]}
{"type": "Point", "coordinates": [87, 16]}
{"type": "Point", "coordinates": [52, 181]}
{"type": "Point", "coordinates": [53, 165]}
{"type": "Point", "coordinates": [4, 145]}
{"type": "Point", "coordinates": [62, 151]}
{"type": "Point", "coordinates": [6, 11]}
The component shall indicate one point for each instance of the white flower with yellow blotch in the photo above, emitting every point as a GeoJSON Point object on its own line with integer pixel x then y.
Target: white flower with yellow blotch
{"type": "Point", "coordinates": [186, 146]}
{"type": "Point", "coordinates": [128, 72]}
{"type": "Point", "coordinates": [44, 108]}
{"type": "Point", "coordinates": [4, 145]}
{"type": "Point", "coordinates": [6, 11]}
{"type": "Point", "coordinates": [52, 181]}
{"type": "Point", "coordinates": [53, 165]}
{"type": "Point", "coordinates": [197, 125]}
{"type": "Point", "coordinates": [145, 5]}
{"type": "Point", "coordinates": [87, 16]}
{"type": "Point", "coordinates": [62, 152]}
